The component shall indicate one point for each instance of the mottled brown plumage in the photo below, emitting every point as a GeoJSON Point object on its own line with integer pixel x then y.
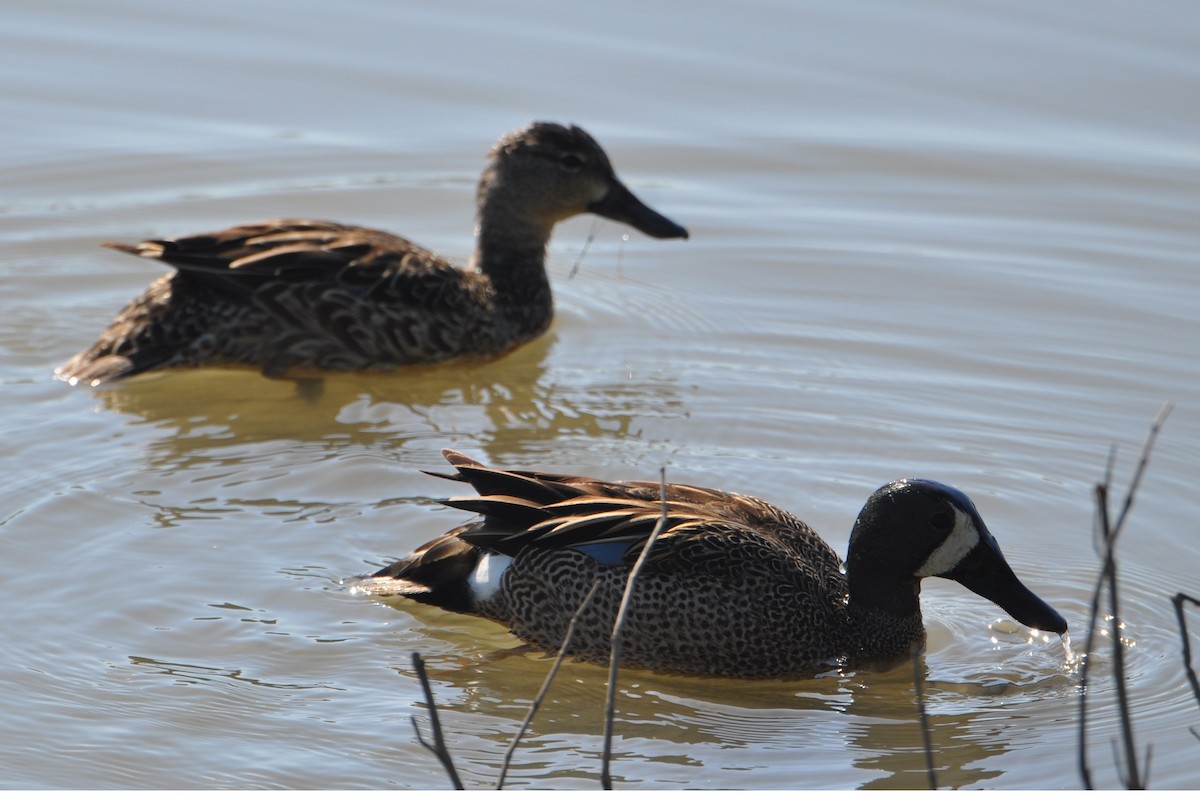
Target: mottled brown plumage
{"type": "Point", "coordinates": [733, 586]}
{"type": "Point", "coordinates": [286, 295]}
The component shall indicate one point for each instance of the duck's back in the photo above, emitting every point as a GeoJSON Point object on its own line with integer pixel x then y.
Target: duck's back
{"type": "Point", "coordinates": [732, 586]}
{"type": "Point", "coordinates": [290, 294]}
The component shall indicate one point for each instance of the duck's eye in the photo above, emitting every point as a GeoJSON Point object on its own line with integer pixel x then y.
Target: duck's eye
{"type": "Point", "coordinates": [942, 521]}
{"type": "Point", "coordinates": [571, 162]}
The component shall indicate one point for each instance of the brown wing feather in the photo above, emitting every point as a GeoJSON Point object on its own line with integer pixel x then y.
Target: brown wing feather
{"type": "Point", "coordinates": [298, 251]}
{"type": "Point", "coordinates": [290, 294]}
{"type": "Point", "coordinates": [704, 526]}
{"type": "Point", "coordinates": [436, 573]}
{"type": "Point", "coordinates": [711, 537]}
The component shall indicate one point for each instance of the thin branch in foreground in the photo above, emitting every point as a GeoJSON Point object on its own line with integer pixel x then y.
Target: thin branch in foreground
{"type": "Point", "coordinates": [541, 695]}
{"type": "Point", "coordinates": [438, 747]}
{"type": "Point", "coordinates": [1090, 644]}
{"type": "Point", "coordinates": [1143, 461]}
{"type": "Point", "coordinates": [617, 637]}
{"type": "Point", "coordinates": [923, 717]}
{"type": "Point", "coordinates": [1180, 600]}
{"type": "Point", "coordinates": [587, 244]}
{"type": "Point", "coordinates": [1107, 533]}
{"type": "Point", "coordinates": [1133, 780]}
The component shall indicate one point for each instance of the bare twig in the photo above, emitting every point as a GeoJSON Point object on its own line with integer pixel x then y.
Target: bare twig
{"type": "Point", "coordinates": [541, 695]}
{"type": "Point", "coordinates": [1143, 461]}
{"type": "Point", "coordinates": [1085, 660]}
{"type": "Point", "coordinates": [1133, 779]}
{"type": "Point", "coordinates": [438, 747]}
{"type": "Point", "coordinates": [617, 637]}
{"type": "Point", "coordinates": [1180, 600]}
{"type": "Point", "coordinates": [926, 733]}
{"type": "Point", "coordinates": [583, 251]}
{"type": "Point", "coordinates": [1107, 533]}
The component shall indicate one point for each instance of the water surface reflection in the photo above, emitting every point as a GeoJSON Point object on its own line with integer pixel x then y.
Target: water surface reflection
{"type": "Point", "coordinates": [807, 728]}
{"type": "Point", "coordinates": [500, 407]}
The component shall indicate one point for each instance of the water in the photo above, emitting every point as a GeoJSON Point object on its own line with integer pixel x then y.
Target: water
{"type": "Point", "coordinates": [953, 241]}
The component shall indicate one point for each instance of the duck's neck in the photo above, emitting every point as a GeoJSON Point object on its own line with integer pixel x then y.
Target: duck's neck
{"type": "Point", "coordinates": [512, 254]}
{"type": "Point", "coordinates": [885, 613]}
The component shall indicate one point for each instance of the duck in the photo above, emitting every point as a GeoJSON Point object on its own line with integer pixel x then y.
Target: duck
{"type": "Point", "coordinates": [733, 586]}
{"type": "Point", "coordinates": [296, 295]}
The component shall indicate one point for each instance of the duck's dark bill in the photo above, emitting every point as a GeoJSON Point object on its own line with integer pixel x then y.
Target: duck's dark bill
{"type": "Point", "coordinates": [620, 204]}
{"type": "Point", "coordinates": [985, 572]}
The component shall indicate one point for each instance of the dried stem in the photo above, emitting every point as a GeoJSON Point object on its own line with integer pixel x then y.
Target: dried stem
{"type": "Point", "coordinates": [617, 637]}
{"type": "Point", "coordinates": [1102, 540]}
{"type": "Point", "coordinates": [1143, 461]}
{"type": "Point", "coordinates": [1133, 779]}
{"type": "Point", "coordinates": [438, 747]}
{"type": "Point", "coordinates": [1181, 600]}
{"type": "Point", "coordinates": [1107, 533]}
{"type": "Point", "coordinates": [1084, 666]}
{"type": "Point", "coordinates": [587, 244]}
{"type": "Point", "coordinates": [926, 733]}
{"type": "Point", "coordinates": [541, 695]}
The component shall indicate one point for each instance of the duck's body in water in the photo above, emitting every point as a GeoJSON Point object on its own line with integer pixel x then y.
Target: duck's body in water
{"type": "Point", "coordinates": [312, 295]}
{"type": "Point", "coordinates": [733, 586]}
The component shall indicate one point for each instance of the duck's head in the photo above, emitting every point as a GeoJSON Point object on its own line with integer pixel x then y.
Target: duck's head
{"type": "Point", "coordinates": [548, 172]}
{"type": "Point", "coordinates": [914, 528]}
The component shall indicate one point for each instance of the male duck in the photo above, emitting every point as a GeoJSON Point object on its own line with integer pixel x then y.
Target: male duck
{"type": "Point", "coordinates": [733, 586]}
{"type": "Point", "coordinates": [311, 294]}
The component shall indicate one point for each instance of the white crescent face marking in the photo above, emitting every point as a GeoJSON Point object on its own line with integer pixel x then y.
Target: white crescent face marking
{"type": "Point", "coordinates": [961, 541]}
{"type": "Point", "coordinates": [485, 582]}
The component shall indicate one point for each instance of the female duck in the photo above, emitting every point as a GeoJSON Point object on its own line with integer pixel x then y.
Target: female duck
{"type": "Point", "coordinates": [283, 295]}
{"type": "Point", "coordinates": [733, 586]}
